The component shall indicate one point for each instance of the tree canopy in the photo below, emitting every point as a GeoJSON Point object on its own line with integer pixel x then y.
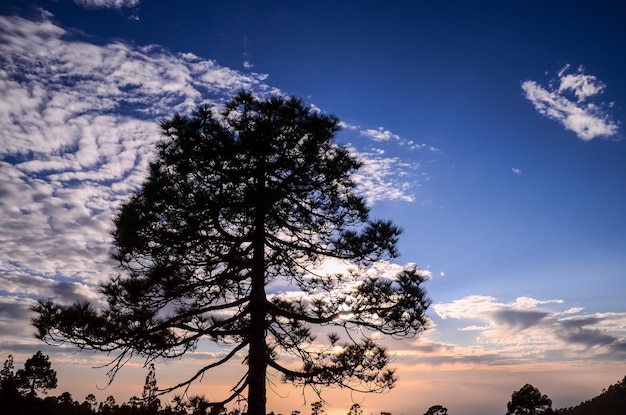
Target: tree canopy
{"type": "Point", "coordinates": [224, 242]}
{"type": "Point", "coordinates": [437, 410]}
{"type": "Point", "coordinates": [37, 374]}
{"type": "Point", "coordinates": [7, 375]}
{"type": "Point", "coordinates": [529, 401]}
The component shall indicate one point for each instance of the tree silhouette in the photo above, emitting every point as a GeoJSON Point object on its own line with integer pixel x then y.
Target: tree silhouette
{"type": "Point", "coordinates": [9, 395]}
{"type": "Point", "coordinates": [90, 403]}
{"type": "Point", "coordinates": [149, 394]}
{"type": "Point", "coordinates": [612, 401]}
{"type": "Point", "coordinates": [223, 241]}
{"type": "Point", "coordinates": [355, 409]}
{"type": "Point", "coordinates": [108, 407]}
{"type": "Point", "coordinates": [7, 375]}
{"type": "Point", "coordinates": [37, 374]}
{"type": "Point", "coordinates": [437, 410]}
{"type": "Point", "coordinates": [529, 401]}
{"type": "Point", "coordinates": [317, 408]}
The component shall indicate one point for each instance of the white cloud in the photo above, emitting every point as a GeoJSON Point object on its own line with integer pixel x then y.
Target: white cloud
{"type": "Point", "coordinates": [78, 128]}
{"type": "Point", "coordinates": [379, 134]}
{"type": "Point", "coordinates": [477, 306]}
{"type": "Point", "coordinates": [107, 4]}
{"type": "Point", "coordinates": [573, 310]}
{"type": "Point", "coordinates": [475, 328]}
{"type": "Point", "coordinates": [385, 178]}
{"type": "Point", "coordinates": [583, 86]}
{"type": "Point", "coordinates": [516, 171]}
{"type": "Point", "coordinates": [528, 327]}
{"type": "Point", "coordinates": [587, 119]}
{"type": "Point", "coordinates": [348, 126]}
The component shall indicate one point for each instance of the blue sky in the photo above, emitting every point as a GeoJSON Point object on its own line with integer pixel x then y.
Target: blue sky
{"type": "Point", "coordinates": [491, 132]}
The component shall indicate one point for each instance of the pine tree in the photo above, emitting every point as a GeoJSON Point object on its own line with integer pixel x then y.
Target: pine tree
{"type": "Point", "coordinates": [36, 375]}
{"type": "Point", "coordinates": [238, 203]}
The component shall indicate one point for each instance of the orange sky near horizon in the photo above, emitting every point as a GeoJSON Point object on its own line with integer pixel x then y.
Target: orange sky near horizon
{"type": "Point", "coordinates": [462, 388]}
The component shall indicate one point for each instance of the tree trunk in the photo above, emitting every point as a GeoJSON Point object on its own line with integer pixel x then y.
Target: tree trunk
{"type": "Point", "coordinates": [257, 357]}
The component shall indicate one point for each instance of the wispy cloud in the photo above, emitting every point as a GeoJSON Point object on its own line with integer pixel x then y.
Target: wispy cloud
{"type": "Point", "coordinates": [78, 124]}
{"type": "Point", "coordinates": [107, 4]}
{"type": "Point", "coordinates": [529, 327]}
{"type": "Point", "coordinates": [568, 101]}
{"type": "Point", "coordinates": [379, 134]}
{"type": "Point", "coordinates": [385, 178]}
{"type": "Point", "coordinates": [387, 174]}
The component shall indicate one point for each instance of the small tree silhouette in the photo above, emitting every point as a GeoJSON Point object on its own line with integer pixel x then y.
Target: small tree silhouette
{"type": "Point", "coordinates": [529, 401]}
{"type": "Point", "coordinates": [149, 394]}
{"type": "Point", "coordinates": [355, 409]}
{"type": "Point", "coordinates": [7, 376]}
{"type": "Point", "coordinates": [437, 410]}
{"type": "Point", "coordinates": [317, 408]}
{"type": "Point", "coordinates": [36, 375]}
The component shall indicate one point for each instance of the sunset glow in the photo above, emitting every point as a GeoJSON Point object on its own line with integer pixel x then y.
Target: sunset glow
{"type": "Point", "coordinates": [491, 132]}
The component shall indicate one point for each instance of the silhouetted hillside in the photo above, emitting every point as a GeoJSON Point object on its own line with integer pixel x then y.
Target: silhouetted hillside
{"type": "Point", "coordinates": [611, 401]}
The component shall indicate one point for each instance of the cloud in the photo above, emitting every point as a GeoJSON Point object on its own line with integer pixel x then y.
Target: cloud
{"type": "Point", "coordinates": [576, 113]}
{"type": "Point", "coordinates": [387, 173]}
{"type": "Point", "coordinates": [516, 171]}
{"type": "Point", "coordinates": [583, 86]}
{"type": "Point", "coordinates": [78, 130]}
{"type": "Point", "coordinates": [107, 4]}
{"type": "Point", "coordinates": [13, 312]}
{"type": "Point", "coordinates": [78, 127]}
{"type": "Point", "coordinates": [475, 328]}
{"type": "Point", "coordinates": [379, 134]}
{"type": "Point", "coordinates": [479, 306]}
{"type": "Point", "coordinates": [519, 320]}
{"type": "Point", "coordinates": [538, 328]}
{"type": "Point", "coordinates": [385, 178]}
{"type": "Point", "coordinates": [14, 327]}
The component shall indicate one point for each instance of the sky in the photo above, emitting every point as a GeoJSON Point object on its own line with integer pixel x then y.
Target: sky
{"type": "Point", "coordinates": [492, 132]}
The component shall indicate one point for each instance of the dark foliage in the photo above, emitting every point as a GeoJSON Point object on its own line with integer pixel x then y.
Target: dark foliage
{"type": "Point", "coordinates": [437, 410]}
{"type": "Point", "coordinates": [611, 401]}
{"type": "Point", "coordinates": [64, 404]}
{"type": "Point", "coordinates": [18, 390]}
{"type": "Point", "coordinates": [529, 401]}
{"type": "Point", "coordinates": [236, 201]}
{"type": "Point", "coordinates": [36, 375]}
{"type": "Point", "coordinates": [355, 409]}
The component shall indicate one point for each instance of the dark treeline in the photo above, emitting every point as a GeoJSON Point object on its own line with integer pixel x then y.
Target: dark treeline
{"type": "Point", "coordinates": [611, 401]}
{"type": "Point", "coordinates": [65, 404]}
{"type": "Point", "coordinates": [19, 396]}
